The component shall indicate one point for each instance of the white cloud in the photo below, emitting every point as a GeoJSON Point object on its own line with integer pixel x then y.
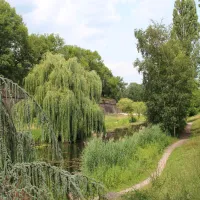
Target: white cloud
{"type": "Point", "coordinates": [83, 17]}
{"type": "Point", "coordinates": [126, 70]}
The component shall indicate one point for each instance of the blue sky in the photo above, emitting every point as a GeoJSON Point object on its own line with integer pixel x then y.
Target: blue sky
{"type": "Point", "coordinates": [103, 25]}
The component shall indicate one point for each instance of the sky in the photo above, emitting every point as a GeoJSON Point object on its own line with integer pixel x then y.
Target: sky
{"type": "Point", "coordinates": [106, 26]}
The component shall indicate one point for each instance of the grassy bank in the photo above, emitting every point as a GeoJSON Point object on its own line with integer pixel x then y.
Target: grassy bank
{"type": "Point", "coordinates": [193, 118]}
{"type": "Point", "coordinates": [181, 177]}
{"type": "Point", "coordinates": [123, 163]}
{"type": "Point", "coordinates": [118, 121]}
{"type": "Point", "coordinates": [195, 130]}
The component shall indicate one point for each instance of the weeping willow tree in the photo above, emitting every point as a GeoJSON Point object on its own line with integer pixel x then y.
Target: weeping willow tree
{"type": "Point", "coordinates": [69, 95]}
{"type": "Point", "coordinates": [21, 176]}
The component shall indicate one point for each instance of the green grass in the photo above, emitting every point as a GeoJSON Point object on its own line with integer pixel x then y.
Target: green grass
{"type": "Point", "coordinates": [195, 130]}
{"type": "Point", "coordinates": [181, 177]}
{"type": "Point", "coordinates": [193, 118]}
{"type": "Point", "coordinates": [123, 163]}
{"type": "Point", "coordinates": [118, 121]}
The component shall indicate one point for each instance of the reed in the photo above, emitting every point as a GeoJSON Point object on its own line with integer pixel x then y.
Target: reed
{"type": "Point", "coordinates": [127, 161]}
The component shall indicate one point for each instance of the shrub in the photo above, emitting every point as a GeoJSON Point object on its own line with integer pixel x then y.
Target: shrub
{"type": "Point", "coordinates": [132, 119]}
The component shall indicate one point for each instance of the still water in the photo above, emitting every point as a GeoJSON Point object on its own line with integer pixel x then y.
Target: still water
{"type": "Point", "coordinates": [72, 152]}
{"type": "Point", "coordinates": [71, 156]}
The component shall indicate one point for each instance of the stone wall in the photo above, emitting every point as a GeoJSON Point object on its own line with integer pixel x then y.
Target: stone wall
{"type": "Point", "coordinates": [109, 106]}
{"type": "Point", "coordinates": [124, 131]}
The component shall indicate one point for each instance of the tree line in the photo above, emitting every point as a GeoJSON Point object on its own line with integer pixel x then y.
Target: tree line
{"type": "Point", "coordinates": [169, 64]}
{"type": "Point", "coordinates": [21, 51]}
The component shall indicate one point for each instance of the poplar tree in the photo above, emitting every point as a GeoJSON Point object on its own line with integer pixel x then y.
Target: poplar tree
{"type": "Point", "coordinates": [185, 23]}
{"type": "Point", "coordinates": [186, 30]}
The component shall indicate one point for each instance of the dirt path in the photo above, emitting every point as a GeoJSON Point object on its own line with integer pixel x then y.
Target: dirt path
{"type": "Point", "coordinates": [160, 167]}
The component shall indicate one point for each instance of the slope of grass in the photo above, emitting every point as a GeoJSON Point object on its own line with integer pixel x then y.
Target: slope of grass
{"type": "Point", "coordinates": [117, 121]}
{"type": "Point", "coordinates": [181, 177]}
{"type": "Point", "coordinates": [123, 163]}
{"type": "Point", "coordinates": [195, 130]}
{"type": "Point", "coordinates": [193, 118]}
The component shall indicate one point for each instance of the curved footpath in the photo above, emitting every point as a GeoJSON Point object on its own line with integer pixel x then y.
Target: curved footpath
{"type": "Point", "coordinates": [160, 168]}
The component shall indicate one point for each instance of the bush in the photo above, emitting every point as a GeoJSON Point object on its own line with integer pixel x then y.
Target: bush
{"type": "Point", "coordinates": [125, 105]}
{"type": "Point", "coordinates": [193, 111]}
{"type": "Point", "coordinates": [132, 119]}
{"type": "Point", "coordinates": [125, 162]}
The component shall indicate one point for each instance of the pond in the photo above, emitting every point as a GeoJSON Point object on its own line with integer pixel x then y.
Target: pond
{"type": "Point", "coordinates": [72, 152]}
{"type": "Point", "coordinates": [71, 155]}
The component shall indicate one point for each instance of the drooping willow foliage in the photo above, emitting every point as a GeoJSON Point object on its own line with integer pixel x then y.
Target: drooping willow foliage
{"type": "Point", "coordinates": [21, 177]}
{"type": "Point", "coordinates": [69, 95]}
{"type": "Point", "coordinates": [21, 110]}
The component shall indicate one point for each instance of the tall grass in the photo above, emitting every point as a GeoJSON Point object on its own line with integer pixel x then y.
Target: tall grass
{"type": "Point", "coordinates": [122, 163]}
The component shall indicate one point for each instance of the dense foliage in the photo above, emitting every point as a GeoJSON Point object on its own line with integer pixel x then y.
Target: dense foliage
{"type": "Point", "coordinates": [185, 24]}
{"type": "Point", "coordinates": [20, 176]}
{"type": "Point", "coordinates": [169, 66]}
{"type": "Point", "coordinates": [112, 86]}
{"type": "Point", "coordinates": [40, 44]}
{"type": "Point", "coordinates": [134, 92]}
{"type": "Point", "coordinates": [125, 105]}
{"type": "Point", "coordinates": [128, 106]}
{"type": "Point", "coordinates": [186, 30]}
{"type": "Point", "coordinates": [19, 52]}
{"type": "Point", "coordinates": [69, 95]}
{"type": "Point", "coordinates": [168, 77]}
{"type": "Point", "coordinates": [14, 62]}
{"type": "Point", "coordinates": [125, 162]}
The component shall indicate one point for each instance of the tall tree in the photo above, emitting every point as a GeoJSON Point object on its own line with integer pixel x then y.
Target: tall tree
{"type": "Point", "coordinates": [186, 30]}
{"type": "Point", "coordinates": [14, 62]}
{"type": "Point", "coordinates": [69, 95]}
{"type": "Point", "coordinates": [185, 23]}
{"type": "Point", "coordinates": [168, 77]}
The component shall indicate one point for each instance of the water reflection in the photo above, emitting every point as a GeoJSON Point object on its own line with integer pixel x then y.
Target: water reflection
{"type": "Point", "coordinates": [72, 152]}
{"type": "Point", "coordinates": [71, 156]}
